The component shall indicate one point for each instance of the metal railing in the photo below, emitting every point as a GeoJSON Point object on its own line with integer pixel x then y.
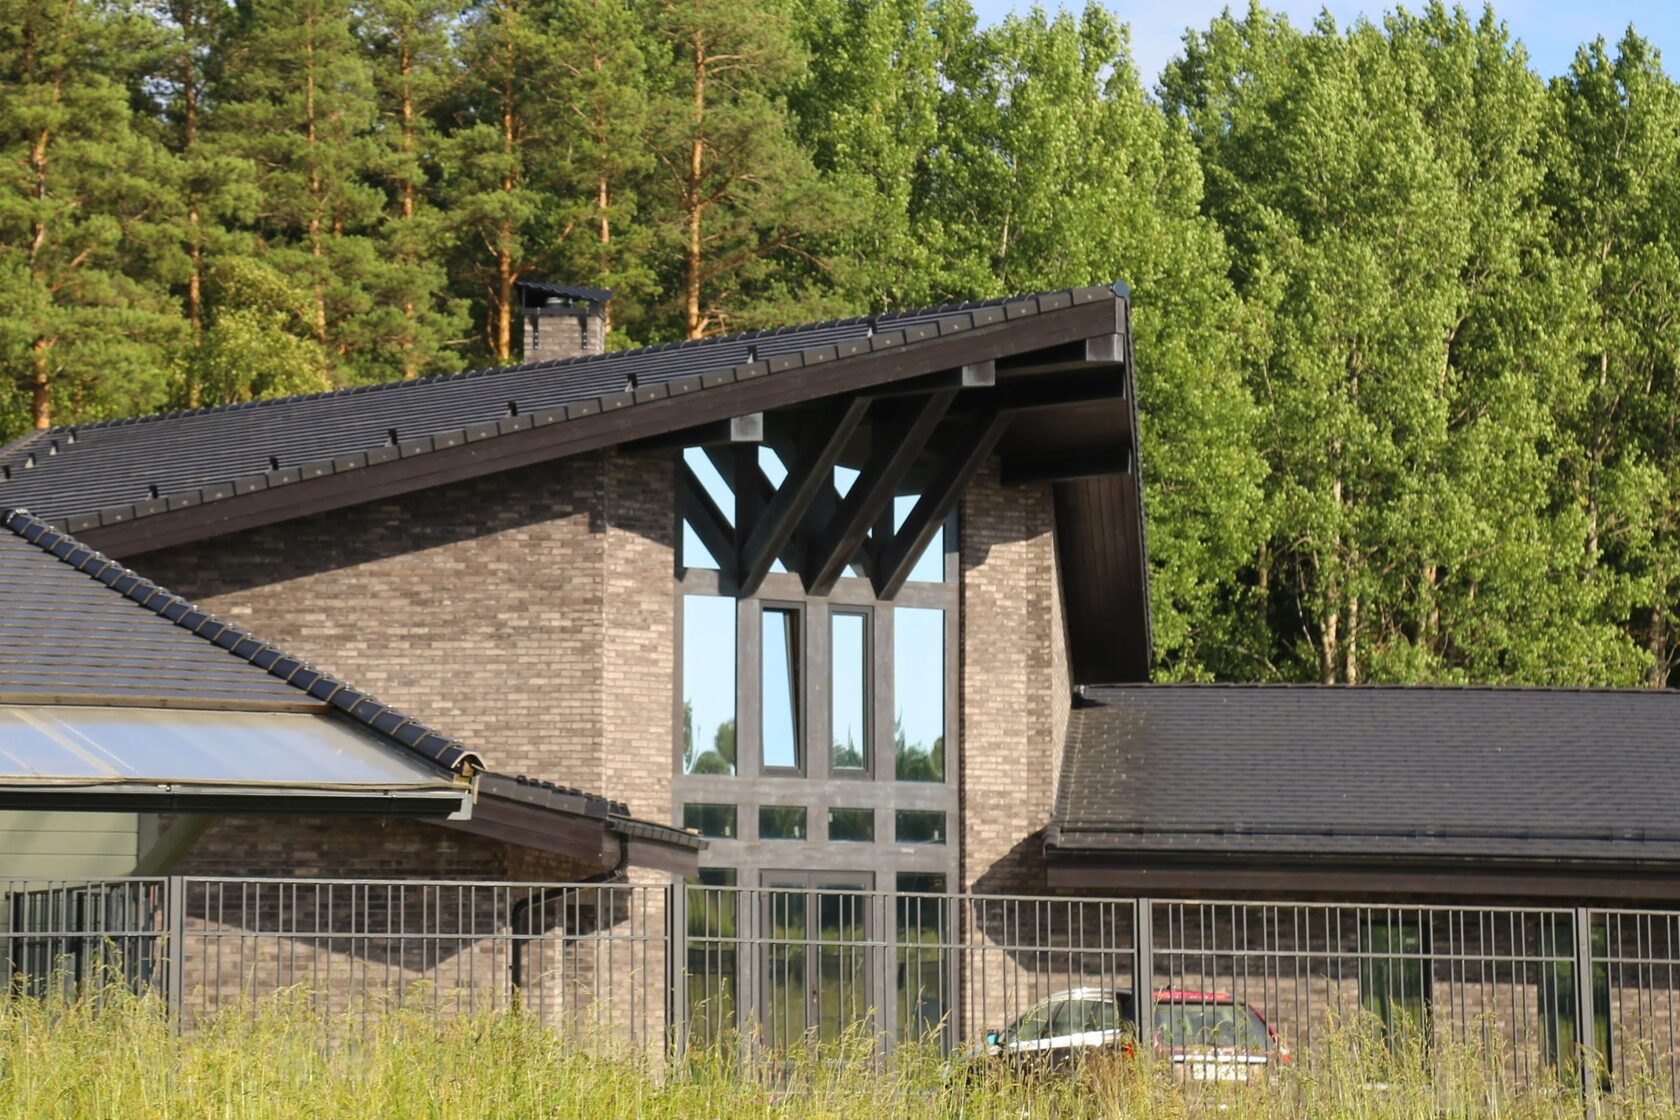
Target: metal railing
{"type": "Point", "coordinates": [1535, 991]}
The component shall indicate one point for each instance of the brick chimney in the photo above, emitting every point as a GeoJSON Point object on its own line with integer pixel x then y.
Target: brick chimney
{"type": "Point", "coordinates": [562, 320]}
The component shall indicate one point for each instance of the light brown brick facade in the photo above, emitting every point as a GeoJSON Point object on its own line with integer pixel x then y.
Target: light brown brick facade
{"type": "Point", "coordinates": [1014, 682]}
{"type": "Point", "coordinates": [528, 614]}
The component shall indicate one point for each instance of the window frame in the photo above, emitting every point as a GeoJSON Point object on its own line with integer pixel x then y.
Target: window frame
{"type": "Point", "coordinates": [866, 772]}
{"type": "Point", "coordinates": [801, 665]}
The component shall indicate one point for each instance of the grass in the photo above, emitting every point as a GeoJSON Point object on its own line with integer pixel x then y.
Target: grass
{"type": "Point", "coordinates": [119, 1056]}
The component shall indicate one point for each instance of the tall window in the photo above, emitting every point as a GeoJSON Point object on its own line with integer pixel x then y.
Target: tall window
{"type": "Point", "coordinates": [708, 677]}
{"type": "Point", "coordinates": [848, 691]}
{"type": "Point", "coordinates": [1394, 975]}
{"type": "Point", "coordinates": [779, 688]}
{"type": "Point", "coordinates": [919, 694]}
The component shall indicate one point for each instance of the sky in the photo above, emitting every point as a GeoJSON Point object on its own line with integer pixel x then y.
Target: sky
{"type": "Point", "coordinates": [1551, 29]}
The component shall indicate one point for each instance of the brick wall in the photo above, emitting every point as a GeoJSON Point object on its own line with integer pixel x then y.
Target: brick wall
{"type": "Point", "coordinates": [1014, 685]}
{"type": "Point", "coordinates": [528, 614]}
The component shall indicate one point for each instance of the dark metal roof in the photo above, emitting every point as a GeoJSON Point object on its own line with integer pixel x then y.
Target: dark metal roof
{"type": "Point", "coordinates": [548, 796]}
{"type": "Point", "coordinates": [78, 628]}
{"type": "Point", "coordinates": [1422, 773]}
{"type": "Point", "coordinates": [565, 291]}
{"type": "Point", "coordinates": [97, 475]}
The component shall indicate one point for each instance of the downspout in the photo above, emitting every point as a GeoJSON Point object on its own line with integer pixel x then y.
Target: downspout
{"type": "Point", "coordinates": [522, 909]}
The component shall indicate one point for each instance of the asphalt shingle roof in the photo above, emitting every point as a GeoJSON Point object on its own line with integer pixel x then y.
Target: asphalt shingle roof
{"type": "Point", "coordinates": [78, 628]}
{"type": "Point", "coordinates": [1433, 772]}
{"type": "Point", "coordinates": [136, 467]}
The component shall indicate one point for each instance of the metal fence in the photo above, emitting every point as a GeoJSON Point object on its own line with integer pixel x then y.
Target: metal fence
{"type": "Point", "coordinates": [1530, 989]}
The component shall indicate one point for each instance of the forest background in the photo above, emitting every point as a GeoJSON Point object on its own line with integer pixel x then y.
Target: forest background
{"type": "Point", "coordinates": [1407, 315]}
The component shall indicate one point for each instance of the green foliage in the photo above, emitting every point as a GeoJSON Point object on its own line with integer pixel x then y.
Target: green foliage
{"type": "Point", "coordinates": [1403, 313]}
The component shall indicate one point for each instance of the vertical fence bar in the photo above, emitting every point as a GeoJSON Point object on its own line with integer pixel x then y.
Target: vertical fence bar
{"type": "Point", "coordinates": [1585, 1031]}
{"type": "Point", "coordinates": [175, 903]}
{"type": "Point", "coordinates": [1143, 967]}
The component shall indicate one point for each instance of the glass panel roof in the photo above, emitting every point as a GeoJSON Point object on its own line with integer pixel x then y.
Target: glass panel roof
{"type": "Point", "coordinates": [54, 745]}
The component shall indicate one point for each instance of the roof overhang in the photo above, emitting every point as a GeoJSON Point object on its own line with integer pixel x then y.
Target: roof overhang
{"type": "Point", "coordinates": [139, 759]}
{"type": "Point", "coordinates": [581, 827]}
{"type": "Point", "coordinates": [1354, 879]}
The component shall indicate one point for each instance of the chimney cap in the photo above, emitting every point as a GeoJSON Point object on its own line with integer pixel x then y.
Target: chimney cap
{"type": "Point", "coordinates": [537, 293]}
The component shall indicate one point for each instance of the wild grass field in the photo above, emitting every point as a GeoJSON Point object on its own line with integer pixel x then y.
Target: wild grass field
{"type": "Point", "coordinates": [120, 1056]}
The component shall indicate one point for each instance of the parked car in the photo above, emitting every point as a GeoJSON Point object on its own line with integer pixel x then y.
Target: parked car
{"type": "Point", "coordinates": [1208, 1036]}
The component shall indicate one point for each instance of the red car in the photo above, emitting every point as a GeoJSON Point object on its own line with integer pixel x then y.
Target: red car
{"type": "Point", "coordinates": [1208, 1036]}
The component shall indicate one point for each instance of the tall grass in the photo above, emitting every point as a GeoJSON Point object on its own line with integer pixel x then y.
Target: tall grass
{"type": "Point", "coordinates": [120, 1056]}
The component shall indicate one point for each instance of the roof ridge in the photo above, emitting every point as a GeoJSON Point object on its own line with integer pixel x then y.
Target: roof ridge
{"type": "Point", "coordinates": [294, 671]}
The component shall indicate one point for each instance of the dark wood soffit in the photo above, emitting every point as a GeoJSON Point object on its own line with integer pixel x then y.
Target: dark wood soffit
{"type": "Point", "coordinates": [1372, 879]}
{"type": "Point", "coordinates": [1099, 545]}
{"type": "Point", "coordinates": [530, 446]}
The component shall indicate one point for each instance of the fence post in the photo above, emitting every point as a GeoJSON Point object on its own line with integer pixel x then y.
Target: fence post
{"type": "Point", "coordinates": [676, 965]}
{"type": "Point", "coordinates": [175, 922]}
{"type": "Point", "coordinates": [1143, 966]}
{"type": "Point", "coordinates": [1586, 1033]}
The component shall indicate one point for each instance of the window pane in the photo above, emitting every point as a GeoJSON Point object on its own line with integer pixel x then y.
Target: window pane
{"type": "Point", "coordinates": [694, 553]}
{"type": "Point", "coordinates": [930, 565]}
{"type": "Point", "coordinates": [771, 464]}
{"type": "Point", "coordinates": [708, 673]}
{"type": "Point", "coordinates": [710, 820]}
{"type": "Point", "coordinates": [850, 665]}
{"type": "Point", "coordinates": [919, 826]}
{"type": "Point", "coordinates": [781, 822]}
{"type": "Point", "coordinates": [851, 824]}
{"type": "Point", "coordinates": [1394, 985]}
{"type": "Point", "coordinates": [843, 479]}
{"type": "Point", "coordinates": [919, 694]}
{"type": "Point", "coordinates": [780, 709]}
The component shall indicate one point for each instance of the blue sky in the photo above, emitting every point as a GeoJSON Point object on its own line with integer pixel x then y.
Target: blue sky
{"type": "Point", "coordinates": [1551, 29]}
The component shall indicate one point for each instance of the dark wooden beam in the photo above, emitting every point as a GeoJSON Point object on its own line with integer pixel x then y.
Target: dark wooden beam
{"type": "Point", "coordinates": [746, 428]}
{"type": "Point", "coordinates": [970, 375]}
{"type": "Point", "coordinates": [710, 525]}
{"type": "Point", "coordinates": [897, 443]}
{"type": "Point", "coordinates": [1067, 464]}
{"type": "Point", "coordinates": [1100, 350]}
{"type": "Point", "coordinates": [1052, 390]}
{"type": "Point", "coordinates": [967, 446]}
{"type": "Point", "coordinates": [813, 472]}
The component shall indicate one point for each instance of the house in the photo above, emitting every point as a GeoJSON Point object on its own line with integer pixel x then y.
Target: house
{"type": "Point", "coordinates": [861, 605]}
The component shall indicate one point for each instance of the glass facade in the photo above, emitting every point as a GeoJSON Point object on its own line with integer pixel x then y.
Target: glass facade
{"type": "Point", "coordinates": [708, 678]}
{"type": "Point", "coordinates": [713, 929]}
{"type": "Point", "coordinates": [919, 694]}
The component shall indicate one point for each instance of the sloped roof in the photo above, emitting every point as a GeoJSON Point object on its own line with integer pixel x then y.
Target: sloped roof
{"type": "Point", "coordinates": [78, 628]}
{"type": "Point", "coordinates": [92, 476]}
{"type": "Point", "coordinates": [1371, 772]}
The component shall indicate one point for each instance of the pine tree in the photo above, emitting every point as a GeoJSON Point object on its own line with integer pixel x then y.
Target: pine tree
{"type": "Point", "coordinates": [415, 324]}
{"type": "Point", "coordinates": [87, 209]}
{"type": "Point", "coordinates": [297, 100]}
{"type": "Point", "coordinates": [739, 198]}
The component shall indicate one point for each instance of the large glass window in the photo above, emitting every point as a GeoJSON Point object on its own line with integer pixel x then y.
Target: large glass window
{"type": "Point", "coordinates": [708, 675]}
{"type": "Point", "coordinates": [695, 554]}
{"type": "Point", "coordinates": [779, 688]}
{"type": "Point", "coordinates": [923, 979]}
{"type": "Point", "coordinates": [848, 690]}
{"type": "Point", "coordinates": [919, 694]}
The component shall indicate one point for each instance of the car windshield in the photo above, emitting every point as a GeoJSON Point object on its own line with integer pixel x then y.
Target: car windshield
{"type": "Point", "coordinates": [1066, 1015]}
{"type": "Point", "coordinates": [1184, 1023]}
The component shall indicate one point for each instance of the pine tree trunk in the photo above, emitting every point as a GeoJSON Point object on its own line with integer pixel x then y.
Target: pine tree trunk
{"type": "Point", "coordinates": [40, 384]}
{"type": "Point", "coordinates": [405, 67]}
{"type": "Point", "coordinates": [315, 186]}
{"type": "Point", "coordinates": [693, 321]}
{"type": "Point", "coordinates": [506, 268]}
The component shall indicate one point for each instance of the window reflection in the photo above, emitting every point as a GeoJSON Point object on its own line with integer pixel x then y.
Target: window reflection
{"type": "Point", "coordinates": [780, 688]}
{"type": "Point", "coordinates": [923, 965]}
{"type": "Point", "coordinates": [708, 675]}
{"type": "Point", "coordinates": [919, 826]}
{"type": "Point", "coordinates": [851, 825]}
{"type": "Point", "coordinates": [781, 822]}
{"type": "Point", "coordinates": [849, 662]}
{"type": "Point", "coordinates": [710, 820]}
{"type": "Point", "coordinates": [694, 552]}
{"type": "Point", "coordinates": [712, 947]}
{"type": "Point", "coordinates": [919, 694]}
